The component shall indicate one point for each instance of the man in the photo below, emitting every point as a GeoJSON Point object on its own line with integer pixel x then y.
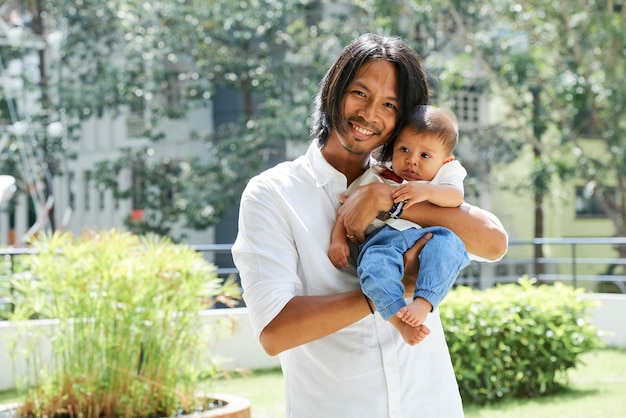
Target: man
{"type": "Point", "coordinates": [338, 359]}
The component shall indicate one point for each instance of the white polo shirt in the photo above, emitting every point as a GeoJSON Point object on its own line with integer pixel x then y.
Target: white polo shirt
{"type": "Point", "coordinates": [365, 370]}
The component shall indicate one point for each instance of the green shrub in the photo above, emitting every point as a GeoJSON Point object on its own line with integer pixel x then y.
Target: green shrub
{"type": "Point", "coordinates": [127, 339]}
{"type": "Point", "coordinates": [516, 340]}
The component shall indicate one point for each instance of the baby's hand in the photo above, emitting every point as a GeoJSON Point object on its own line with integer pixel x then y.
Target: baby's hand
{"type": "Point", "coordinates": [338, 254]}
{"type": "Point", "coordinates": [411, 193]}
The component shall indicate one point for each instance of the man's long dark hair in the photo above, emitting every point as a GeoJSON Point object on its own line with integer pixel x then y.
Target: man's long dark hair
{"type": "Point", "coordinates": [412, 83]}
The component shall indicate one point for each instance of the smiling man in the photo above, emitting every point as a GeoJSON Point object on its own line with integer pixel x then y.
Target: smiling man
{"type": "Point", "coordinates": [338, 358]}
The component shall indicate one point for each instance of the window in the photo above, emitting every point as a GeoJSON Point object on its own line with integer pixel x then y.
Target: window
{"type": "Point", "coordinates": [470, 108]}
{"type": "Point", "coordinates": [138, 185]}
{"type": "Point", "coordinates": [154, 183]}
{"type": "Point", "coordinates": [71, 189]}
{"type": "Point", "coordinates": [173, 92]}
{"type": "Point", "coordinates": [587, 125]}
{"type": "Point", "coordinates": [5, 114]}
{"type": "Point", "coordinates": [589, 204]}
{"type": "Point", "coordinates": [87, 189]}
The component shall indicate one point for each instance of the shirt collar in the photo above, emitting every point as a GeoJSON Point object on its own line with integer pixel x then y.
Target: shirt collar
{"type": "Point", "coordinates": [321, 170]}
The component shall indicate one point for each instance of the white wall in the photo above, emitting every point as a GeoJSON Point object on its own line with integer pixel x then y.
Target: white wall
{"type": "Point", "coordinates": [609, 317]}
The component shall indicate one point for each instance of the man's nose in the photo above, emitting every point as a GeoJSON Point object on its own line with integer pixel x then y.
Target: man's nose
{"type": "Point", "coordinates": [368, 112]}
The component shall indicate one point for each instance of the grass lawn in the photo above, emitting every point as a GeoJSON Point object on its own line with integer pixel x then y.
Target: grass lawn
{"type": "Point", "coordinates": [596, 389]}
{"type": "Point", "coordinates": [264, 389]}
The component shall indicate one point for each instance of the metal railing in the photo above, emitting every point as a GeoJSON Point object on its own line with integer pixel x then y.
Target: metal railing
{"type": "Point", "coordinates": [571, 260]}
{"type": "Point", "coordinates": [218, 254]}
{"type": "Point", "coordinates": [589, 262]}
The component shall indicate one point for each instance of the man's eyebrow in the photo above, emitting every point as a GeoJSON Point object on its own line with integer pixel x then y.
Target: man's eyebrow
{"type": "Point", "coordinates": [364, 87]}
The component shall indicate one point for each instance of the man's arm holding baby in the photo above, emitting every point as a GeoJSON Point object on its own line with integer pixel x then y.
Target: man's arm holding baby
{"type": "Point", "coordinates": [481, 231]}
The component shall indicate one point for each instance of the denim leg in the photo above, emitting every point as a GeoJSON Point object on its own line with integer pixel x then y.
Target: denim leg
{"type": "Point", "coordinates": [380, 269]}
{"type": "Point", "coordinates": [381, 266]}
{"type": "Point", "coordinates": [441, 260]}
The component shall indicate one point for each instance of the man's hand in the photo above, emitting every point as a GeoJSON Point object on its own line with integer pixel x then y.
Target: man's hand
{"type": "Point", "coordinates": [412, 264]}
{"type": "Point", "coordinates": [362, 206]}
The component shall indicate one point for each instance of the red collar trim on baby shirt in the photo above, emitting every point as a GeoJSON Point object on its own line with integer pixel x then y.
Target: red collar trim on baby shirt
{"type": "Point", "coordinates": [390, 175]}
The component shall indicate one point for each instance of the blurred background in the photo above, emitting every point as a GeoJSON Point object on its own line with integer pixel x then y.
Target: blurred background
{"type": "Point", "coordinates": [152, 115]}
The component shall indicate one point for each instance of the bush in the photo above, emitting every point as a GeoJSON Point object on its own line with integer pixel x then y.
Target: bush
{"type": "Point", "coordinates": [127, 338]}
{"type": "Point", "coordinates": [516, 340]}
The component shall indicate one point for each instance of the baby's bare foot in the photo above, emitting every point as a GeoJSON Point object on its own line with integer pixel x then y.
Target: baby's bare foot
{"type": "Point", "coordinates": [416, 312]}
{"type": "Point", "coordinates": [408, 317]}
{"type": "Point", "coordinates": [411, 335]}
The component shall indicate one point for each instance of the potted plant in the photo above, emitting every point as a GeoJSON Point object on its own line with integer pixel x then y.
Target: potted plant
{"type": "Point", "coordinates": [125, 335]}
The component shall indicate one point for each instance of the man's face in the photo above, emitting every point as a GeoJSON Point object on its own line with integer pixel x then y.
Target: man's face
{"type": "Point", "coordinates": [370, 108]}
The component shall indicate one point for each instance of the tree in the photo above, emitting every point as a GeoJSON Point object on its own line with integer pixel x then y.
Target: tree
{"type": "Point", "coordinates": [269, 54]}
{"type": "Point", "coordinates": [129, 56]}
{"type": "Point", "coordinates": [559, 67]}
{"type": "Point", "coordinates": [32, 138]}
{"type": "Point", "coordinates": [125, 56]}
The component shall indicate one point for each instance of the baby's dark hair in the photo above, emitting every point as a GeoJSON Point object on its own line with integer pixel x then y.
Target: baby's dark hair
{"type": "Point", "coordinates": [434, 121]}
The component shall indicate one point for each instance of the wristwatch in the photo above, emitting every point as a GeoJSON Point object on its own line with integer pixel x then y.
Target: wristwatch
{"type": "Point", "coordinates": [396, 210]}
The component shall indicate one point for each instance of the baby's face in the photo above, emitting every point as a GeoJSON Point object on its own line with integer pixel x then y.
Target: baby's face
{"type": "Point", "coordinates": [418, 156]}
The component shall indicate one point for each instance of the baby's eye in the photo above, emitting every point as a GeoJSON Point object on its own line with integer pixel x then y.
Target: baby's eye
{"type": "Point", "coordinates": [404, 149]}
{"type": "Point", "coordinates": [424, 155]}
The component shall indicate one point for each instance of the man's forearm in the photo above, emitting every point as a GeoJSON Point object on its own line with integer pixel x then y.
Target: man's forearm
{"type": "Point", "coordinates": [479, 230]}
{"type": "Point", "coordinates": [308, 318]}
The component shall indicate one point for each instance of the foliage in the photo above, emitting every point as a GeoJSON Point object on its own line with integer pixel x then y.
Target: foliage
{"type": "Point", "coordinates": [127, 339]}
{"type": "Point", "coordinates": [555, 68]}
{"type": "Point", "coordinates": [154, 61]}
{"type": "Point", "coordinates": [247, 53]}
{"type": "Point", "coordinates": [516, 340]}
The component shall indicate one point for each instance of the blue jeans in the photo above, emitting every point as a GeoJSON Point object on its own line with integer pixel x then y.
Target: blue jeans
{"type": "Point", "coordinates": [380, 266]}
